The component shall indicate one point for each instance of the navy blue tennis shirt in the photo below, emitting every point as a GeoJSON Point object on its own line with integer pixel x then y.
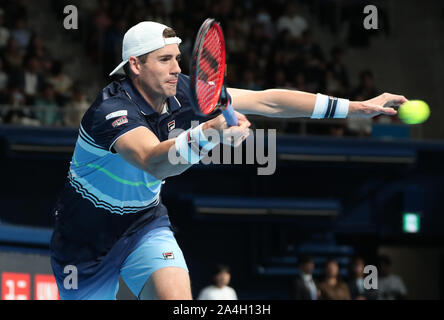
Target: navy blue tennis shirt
{"type": "Point", "coordinates": [106, 198]}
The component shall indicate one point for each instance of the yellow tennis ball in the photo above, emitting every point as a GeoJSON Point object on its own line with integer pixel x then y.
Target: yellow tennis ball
{"type": "Point", "coordinates": [414, 112]}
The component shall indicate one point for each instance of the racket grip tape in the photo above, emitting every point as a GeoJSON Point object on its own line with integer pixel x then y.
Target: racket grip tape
{"type": "Point", "coordinates": [230, 116]}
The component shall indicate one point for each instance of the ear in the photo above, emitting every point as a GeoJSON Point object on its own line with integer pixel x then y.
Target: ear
{"type": "Point", "coordinates": [134, 65]}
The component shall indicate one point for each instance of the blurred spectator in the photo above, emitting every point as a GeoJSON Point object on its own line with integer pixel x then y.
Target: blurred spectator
{"type": "Point", "coordinates": [37, 48]}
{"type": "Point", "coordinates": [12, 55]}
{"type": "Point", "coordinates": [30, 80]}
{"type": "Point", "coordinates": [219, 290]}
{"type": "Point", "coordinates": [338, 68]}
{"type": "Point", "coordinates": [236, 45]}
{"type": "Point", "coordinates": [304, 287]}
{"type": "Point", "coordinates": [314, 72]}
{"type": "Point", "coordinates": [356, 282]}
{"type": "Point", "coordinates": [299, 82]}
{"type": "Point", "coordinates": [264, 19]}
{"type": "Point", "coordinates": [16, 10]}
{"type": "Point", "coordinates": [60, 82]}
{"type": "Point", "coordinates": [359, 127]}
{"type": "Point", "coordinates": [332, 288]}
{"type": "Point", "coordinates": [112, 45]}
{"type": "Point", "coordinates": [4, 81]}
{"type": "Point", "coordinates": [21, 34]}
{"type": "Point", "coordinates": [332, 85]}
{"type": "Point", "coordinates": [292, 21]}
{"type": "Point", "coordinates": [4, 32]}
{"type": "Point", "coordinates": [366, 88]}
{"type": "Point", "coordinates": [47, 110]}
{"type": "Point", "coordinates": [17, 113]}
{"type": "Point", "coordinates": [390, 286]}
{"type": "Point", "coordinates": [280, 79]}
{"type": "Point", "coordinates": [75, 108]}
{"type": "Point", "coordinates": [249, 81]}
{"type": "Point", "coordinates": [308, 45]}
{"type": "Point", "coordinates": [364, 91]}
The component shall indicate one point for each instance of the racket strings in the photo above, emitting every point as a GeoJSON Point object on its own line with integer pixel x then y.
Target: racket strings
{"type": "Point", "coordinates": [210, 70]}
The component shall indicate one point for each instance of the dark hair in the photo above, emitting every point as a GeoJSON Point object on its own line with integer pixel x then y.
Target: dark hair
{"type": "Point", "coordinates": [331, 260]}
{"type": "Point", "coordinates": [384, 259]}
{"type": "Point", "coordinates": [167, 33]}
{"type": "Point", "coordinates": [220, 268]}
{"type": "Point", "coordinates": [305, 259]}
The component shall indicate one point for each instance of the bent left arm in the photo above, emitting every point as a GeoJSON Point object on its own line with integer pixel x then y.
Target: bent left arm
{"type": "Point", "coordinates": [282, 103]}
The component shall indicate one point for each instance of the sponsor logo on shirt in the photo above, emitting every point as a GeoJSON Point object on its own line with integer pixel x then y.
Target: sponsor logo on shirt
{"type": "Point", "coordinates": [116, 114]}
{"type": "Point", "coordinates": [168, 255]}
{"type": "Point", "coordinates": [171, 125]}
{"type": "Point", "coordinates": [120, 121]}
{"type": "Point", "coordinates": [189, 138]}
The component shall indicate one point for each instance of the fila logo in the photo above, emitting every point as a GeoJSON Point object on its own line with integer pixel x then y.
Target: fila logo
{"type": "Point", "coordinates": [120, 121]}
{"type": "Point", "coordinates": [190, 137]}
{"type": "Point", "coordinates": [171, 125]}
{"type": "Point", "coordinates": [168, 255]}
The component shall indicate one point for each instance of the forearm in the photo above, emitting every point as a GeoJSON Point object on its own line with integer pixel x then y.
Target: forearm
{"type": "Point", "coordinates": [279, 103]}
{"type": "Point", "coordinates": [159, 163]}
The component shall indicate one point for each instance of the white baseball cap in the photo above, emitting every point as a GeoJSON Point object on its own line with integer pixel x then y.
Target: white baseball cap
{"type": "Point", "coordinates": [143, 38]}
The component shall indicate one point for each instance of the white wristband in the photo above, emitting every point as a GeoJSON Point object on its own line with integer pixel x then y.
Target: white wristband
{"type": "Point", "coordinates": [330, 107]}
{"type": "Point", "coordinates": [192, 145]}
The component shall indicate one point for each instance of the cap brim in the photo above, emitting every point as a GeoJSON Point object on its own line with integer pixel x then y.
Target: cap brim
{"type": "Point", "coordinates": [120, 66]}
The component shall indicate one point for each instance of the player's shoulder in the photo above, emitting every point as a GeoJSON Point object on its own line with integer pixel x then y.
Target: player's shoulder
{"type": "Point", "coordinates": [113, 98]}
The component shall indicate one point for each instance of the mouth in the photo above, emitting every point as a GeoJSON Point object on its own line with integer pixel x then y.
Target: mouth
{"type": "Point", "coordinates": [172, 82]}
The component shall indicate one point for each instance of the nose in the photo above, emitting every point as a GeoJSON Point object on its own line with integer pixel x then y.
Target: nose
{"type": "Point", "coordinates": [176, 68]}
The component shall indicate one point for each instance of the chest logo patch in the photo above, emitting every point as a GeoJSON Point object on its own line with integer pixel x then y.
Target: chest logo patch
{"type": "Point", "coordinates": [116, 114]}
{"type": "Point", "coordinates": [120, 121]}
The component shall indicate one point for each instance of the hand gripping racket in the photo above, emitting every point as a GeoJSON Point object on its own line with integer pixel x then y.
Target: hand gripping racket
{"type": "Point", "coordinates": [208, 72]}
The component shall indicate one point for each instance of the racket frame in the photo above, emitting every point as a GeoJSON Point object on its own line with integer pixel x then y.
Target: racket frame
{"type": "Point", "coordinates": [220, 99]}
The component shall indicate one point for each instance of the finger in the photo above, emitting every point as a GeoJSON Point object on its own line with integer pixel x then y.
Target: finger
{"type": "Point", "coordinates": [245, 125]}
{"type": "Point", "coordinates": [389, 111]}
{"type": "Point", "coordinates": [240, 116]}
{"type": "Point", "coordinates": [395, 100]}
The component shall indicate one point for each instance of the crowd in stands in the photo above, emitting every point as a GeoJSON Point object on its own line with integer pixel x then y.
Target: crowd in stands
{"type": "Point", "coordinates": [383, 284]}
{"type": "Point", "coordinates": [34, 90]}
{"type": "Point", "coordinates": [269, 45]}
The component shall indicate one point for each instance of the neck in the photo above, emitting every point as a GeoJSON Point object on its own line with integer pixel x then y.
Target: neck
{"type": "Point", "coordinates": [156, 101]}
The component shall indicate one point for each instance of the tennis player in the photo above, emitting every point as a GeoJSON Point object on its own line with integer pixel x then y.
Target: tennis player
{"type": "Point", "coordinates": [109, 218]}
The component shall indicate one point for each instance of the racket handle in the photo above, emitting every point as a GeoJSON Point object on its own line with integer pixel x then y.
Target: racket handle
{"type": "Point", "coordinates": [230, 116]}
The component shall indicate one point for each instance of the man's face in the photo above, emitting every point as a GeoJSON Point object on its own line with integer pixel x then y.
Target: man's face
{"type": "Point", "coordinates": [223, 279]}
{"type": "Point", "coordinates": [158, 75]}
{"type": "Point", "coordinates": [308, 267]}
{"type": "Point", "coordinates": [332, 269]}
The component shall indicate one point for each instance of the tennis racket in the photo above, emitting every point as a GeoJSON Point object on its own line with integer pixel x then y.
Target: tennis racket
{"type": "Point", "coordinates": [208, 68]}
